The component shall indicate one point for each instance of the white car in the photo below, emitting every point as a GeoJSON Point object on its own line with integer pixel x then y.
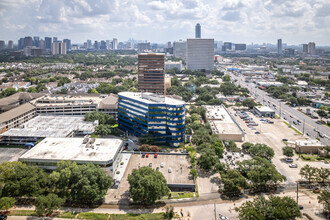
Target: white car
{"type": "Point", "coordinates": [162, 165]}
{"type": "Point", "coordinates": [293, 165]}
{"type": "Point", "coordinates": [170, 170]}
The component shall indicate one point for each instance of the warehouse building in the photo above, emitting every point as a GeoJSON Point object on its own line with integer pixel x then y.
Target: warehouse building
{"type": "Point", "coordinates": [223, 123]}
{"type": "Point", "coordinates": [99, 151]}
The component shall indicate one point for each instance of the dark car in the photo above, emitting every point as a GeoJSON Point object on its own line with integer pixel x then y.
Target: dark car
{"type": "Point", "coordinates": [3, 217]}
{"type": "Point", "coordinates": [301, 207]}
{"type": "Point", "coordinates": [143, 155]}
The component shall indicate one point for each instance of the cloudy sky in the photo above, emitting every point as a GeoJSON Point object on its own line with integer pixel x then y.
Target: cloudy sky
{"type": "Point", "coordinates": [239, 21]}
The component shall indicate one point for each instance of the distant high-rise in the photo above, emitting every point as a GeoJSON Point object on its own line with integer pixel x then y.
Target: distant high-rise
{"type": "Point", "coordinates": [28, 42]}
{"type": "Point", "coordinates": [55, 39]}
{"type": "Point", "coordinates": [227, 46]}
{"type": "Point", "coordinates": [42, 44]}
{"type": "Point", "coordinates": [151, 72]}
{"type": "Point", "coordinates": [2, 45]}
{"type": "Point", "coordinates": [169, 44]}
{"type": "Point", "coordinates": [89, 44]}
{"type": "Point", "coordinates": [240, 46]}
{"type": "Point", "coordinates": [198, 31]}
{"type": "Point", "coordinates": [279, 46]}
{"type": "Point", "coordinates": [68, 44]}
{"type": "Point", "coordinates": [311, 48]}
{"type": "Point", "coordinates": [96, 45]}
{"type": "Point", "coordinates": [143, 47]}
{"type": "Point", "coordinates": [20, 44]}
{"type": "Point", "coordinates": [48, 43]}
{"type": "Point", "coordinates": [103, 45]}
{"type": "Point", "coordinates": [36, 41]}
{"type": "Point", "coordinates": [200, 54]}
{"type": "Point", "coordinates": [10, 44]}
{"type": "Point", "coordinates": [305, 48]}
{"type": "Point", "coordinates": [180, 49]}
{"type": "Point", "coordinates": [114, 44]}
{"type": "Point", "coordinates": [58, 48]}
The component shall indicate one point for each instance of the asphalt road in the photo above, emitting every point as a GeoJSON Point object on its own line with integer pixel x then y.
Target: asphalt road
{"type": "Point", "coordinates": [308, 126]}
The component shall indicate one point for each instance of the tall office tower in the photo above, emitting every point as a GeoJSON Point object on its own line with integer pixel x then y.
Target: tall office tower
{"type": "Point", "coordinates": [198, 31]}
{"type": "Point", "coordinates": [180, 49]}
{"type": "Point", "coordinates": [147, 113]}
{"type": "Point", "coordinates": [103, 45]}
{"type": "Point", "coordinates": [311, 48]}
{"type": "Point", "coordinates": [279, 46]}
{"type": "Point", "coordinates": [240, 46]}
{"type": "Point", "coordinates": [89, 44]}
{"type": "Point", "coordinates": [55, 39]}
{"type": "Point", "coordinates": [151, 72]}
{"type": "Point", "coordinates": [68, 44]}
{"type": "Point", "coordinates": [141, 47]}
{"type": "Point", "coordinates": [42, 44]}
{"type": "Point", "coordinates": [200, 54]}
{"type": "Point", "coordinates": [305, 48]}
{"type": "Point", "coordinates": [169, 44]}
{"type": "Point", "coordinates": [58, 48]}
{"type": "Point", "coordinates": [114, 44]}
{"type": "Point", "coordinates": [48, 43]}
{"type": "Point", "coordinates": [2, 45]}
{"type": "Point", "coordinates": [20, 44]}
{"type": "Point", "coordinates": [36, 41]}
{"type": "Point", "coordinates": [10, 44]}
{"type": "Point", "coordinates": [28, 41]}
{"type": "Point", "coordinates": [227, 46]}
{"type": "Point", "coordinates": [107, 42]}
{"type": "Point", "coordinates": [96, 45]}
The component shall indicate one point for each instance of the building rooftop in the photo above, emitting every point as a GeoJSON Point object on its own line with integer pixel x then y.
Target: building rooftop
{"type": "Point", "coordinates": [80, 150]}
{"type": "Point", "coordinates": [264, 109]}
{"type": "Point", "coordinates": [52, 126]}
{"type": "Point", "coordinates": [220, 120]}
{"type": "Point", "coordinates": [309, 143]}
{"type": "Point", "coordinates": [152, 98]}
{"type": "Point", "coordinates": [15, 112]}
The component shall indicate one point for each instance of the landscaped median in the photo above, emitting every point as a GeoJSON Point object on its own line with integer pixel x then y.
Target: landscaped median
{"type": "Point", "coordinates": [91, 215]}
{"type": "Point", "coordinates": [293, 128]}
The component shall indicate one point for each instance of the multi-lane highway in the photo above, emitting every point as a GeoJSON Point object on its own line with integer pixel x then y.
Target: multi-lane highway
{"type": "Point", "coordinates": [307, 125]}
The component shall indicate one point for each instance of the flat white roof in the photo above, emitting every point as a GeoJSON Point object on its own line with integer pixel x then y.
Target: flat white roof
{"type": "Point", "coordinates": [264, 109]}
{"type": "Point", "coordinates": [52, 126]}
{"type": "Point", "coordinates": [220, 120]}
{"type": "Point", "coordinates": [309, 143]}
{"type": "Point", "coordinates": [101, 152]}
{"type": "Point", "coordinates": [152, 98]}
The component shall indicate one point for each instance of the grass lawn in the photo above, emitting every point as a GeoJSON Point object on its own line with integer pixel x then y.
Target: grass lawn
{"type": "Point", "coordinates": [22, 213]}
{"type": "Point", "coordinates": [67, 215]}
{"type": "Point", "coordinates": [104, 216]}
{"type": "Point", "coordinates": [179, 195]}
{"type": "Point", "coordinates": [13, 146]}
{"type": "Point", "coordinates": [312, 157]}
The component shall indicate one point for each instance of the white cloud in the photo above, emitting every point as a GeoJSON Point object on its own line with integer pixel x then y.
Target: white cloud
{"type": "Point", "coordinates": [295, 21]}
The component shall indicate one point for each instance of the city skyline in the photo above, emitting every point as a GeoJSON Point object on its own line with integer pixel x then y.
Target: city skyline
{"type": "Point", "coordinates": [257, 21]}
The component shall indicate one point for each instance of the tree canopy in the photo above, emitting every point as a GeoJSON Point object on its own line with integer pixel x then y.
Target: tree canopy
{"type": "Point", "coordinates": [47, 204]}
{"type": "Point", "coordinates": [147, 185]}
{"type": "Point", "coordinates": [288, 151]}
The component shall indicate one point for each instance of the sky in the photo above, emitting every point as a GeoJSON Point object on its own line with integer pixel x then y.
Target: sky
{"type": "Point", "coordinates": [238, 21]}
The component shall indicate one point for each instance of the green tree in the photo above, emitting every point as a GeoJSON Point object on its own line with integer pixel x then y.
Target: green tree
{"type": "Point", "coordinates": [249, 103]}
{"type": "Point", "coordinates": [47, 204]}
{"type": "Point", "coordinates": [287, 151]}
{"type": "Point", "coordinates": [195, 117]}
{"type": "Point", "coordinates": [324, 198]}
{"type": "Point", "coordinates": [323, 174]}
{"type": "Point", "coordinates": [103, 129]}
{"type": "Point", "coordinates": [147, 139]}
{"type": "Point", "coordinates": [262, 150]}
{"type": "Point", "coordinates": [6, 203]}
{"type": "Point", "coordinates": [226, 78]}
{"type": "Point", "coordinates": [104, 119]}
{"type": "Point", "coordinates": [308, 172]}
{"type": "Point", "coordinates": [246, 146]}
{"type": "Point", "coordinates": [277, 208]}
{"type": "Point", "coordinates": [321, 113]}
{"type": "Point", "coordinates": [8, 92]}
{"type": "Point", "coordinates": [218, 148]}
{"type": "Point", "coordinates": [193, 172]}
{"type": "Point", "coordinates": [233, 182]}
{"type": "Point", "coordinates": [208, 159]}
{"type": "Point", "coordinates": [147, 185]}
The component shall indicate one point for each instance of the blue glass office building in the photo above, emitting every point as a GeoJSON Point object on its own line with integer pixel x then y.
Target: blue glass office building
{"type": "Point", "coordinates": [148, 113]}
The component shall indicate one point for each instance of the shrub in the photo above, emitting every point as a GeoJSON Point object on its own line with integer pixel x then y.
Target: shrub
{"type": "Point", "coordinates": [118, 172]}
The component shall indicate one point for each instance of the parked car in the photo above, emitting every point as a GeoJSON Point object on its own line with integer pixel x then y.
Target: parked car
{"type": "Point", "coordinates": [143, 155]}
{"type": "Point", "coordinates": [150, 164]}
{"type": "Point", "coordinates": [147, 155]}
{"type": "Point", "coordinates": [170, 170]}
{"type": "Point", "coordinates": [162, 165]}
{"type": "Point", "coordinates": [157, 169]}
{"type": "Point", "coordinates": [257, 132]}
{"type": "Point", "coordinates": [321, 135]}
{"type": "Point", "coordinates": [293, 165]}
{"type": "Point", "coordinates": [3, 217]}
{"type": "Point", "coordinates": [301, 207]}
{"type": "Point", "coordinates": [156, 155]}
{"type": "Point", "coordinates": [289, 160]}
{"type": "Point", "coordinates": [284, 139]}
{"type": "Point", "coordinates": [316, 190]}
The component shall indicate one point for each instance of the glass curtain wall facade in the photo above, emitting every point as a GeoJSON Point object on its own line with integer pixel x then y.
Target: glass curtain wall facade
{"type": "Point", "coordinates": [165, 121]}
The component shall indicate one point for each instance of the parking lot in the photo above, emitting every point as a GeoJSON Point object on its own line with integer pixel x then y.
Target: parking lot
{"type": "Point", "coordinates": [272, 135]}
{"type": "Point", "coordinates": [179, 165]}
{"type": "Point", "coordinates": [11, 154]}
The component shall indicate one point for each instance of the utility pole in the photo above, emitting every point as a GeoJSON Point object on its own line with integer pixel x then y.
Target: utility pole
{"type": "Point", "coordinates": [215, 212]}
{"type": "Point", "coordinates": [303, 128]}
{"type": "Point", "coordinates": [297, 191]}
{"type": "Point", "coordinates": [280, 109]}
